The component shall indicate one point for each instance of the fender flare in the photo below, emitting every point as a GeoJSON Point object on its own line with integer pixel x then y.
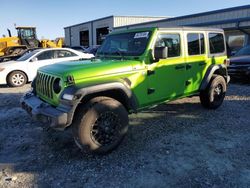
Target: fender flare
{"type": "Point", "coordinates": [85, 91]}
{"type": "Point", "coordinates": [221, 69]}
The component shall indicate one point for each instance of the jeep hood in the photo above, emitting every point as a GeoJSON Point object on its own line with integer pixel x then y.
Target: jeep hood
{"type": "Point", "coordinates": [86, 69]}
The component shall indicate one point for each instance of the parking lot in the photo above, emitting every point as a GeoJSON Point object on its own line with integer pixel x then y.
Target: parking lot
{"type": "Point", "coordinates": [176, 144]}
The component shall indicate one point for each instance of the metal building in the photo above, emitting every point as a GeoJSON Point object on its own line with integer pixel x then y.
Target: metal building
{"type": "Point", "coordinates": [235, 21]}
{"type": "Point", "coordinates": [94, 32]}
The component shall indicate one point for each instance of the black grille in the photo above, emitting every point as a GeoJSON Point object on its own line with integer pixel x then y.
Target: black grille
{"type": "Point", "coordinates": [44, 84]}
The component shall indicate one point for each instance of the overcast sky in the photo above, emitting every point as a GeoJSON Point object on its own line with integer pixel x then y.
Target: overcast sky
{"type": "Point", "coordinates": [51, 16]}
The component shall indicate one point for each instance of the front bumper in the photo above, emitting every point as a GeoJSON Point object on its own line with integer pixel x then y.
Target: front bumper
{"type": "Point", "coordinates": [41, 111]}
{"type": "Point", "coordinates": [3, 78]}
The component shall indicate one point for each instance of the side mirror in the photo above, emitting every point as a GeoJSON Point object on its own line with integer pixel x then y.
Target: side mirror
{"type": "Point", "coordinates": [33, 59]}
{"type": "Point", "coordinates": [160, 53]}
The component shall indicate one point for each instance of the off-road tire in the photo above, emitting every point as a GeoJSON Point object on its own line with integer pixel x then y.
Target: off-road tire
{"type": "Point", "coordinates": [16, 79]}
{"type": "Point", "coordinates": [100, 125]}
{"type": "Point", "coordinates": [212, 97]}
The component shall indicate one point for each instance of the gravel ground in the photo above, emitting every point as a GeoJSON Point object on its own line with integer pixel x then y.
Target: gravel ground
{"type": "Point", "coordinates": [178, 144]}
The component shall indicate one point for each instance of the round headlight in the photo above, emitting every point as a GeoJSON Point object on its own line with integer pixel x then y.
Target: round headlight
{"type": "Point", "coordinates": [57, 85]}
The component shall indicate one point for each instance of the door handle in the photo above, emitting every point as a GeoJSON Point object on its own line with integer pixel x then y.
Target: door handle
{"type": "Point", "coordinates": [150, 72]}
{"type": "Point", "coordinates": [202, 64]}
{"type": "Point", "coordinates": [188, 66]}
{"type": "Point", "coordinates": [179, 67]}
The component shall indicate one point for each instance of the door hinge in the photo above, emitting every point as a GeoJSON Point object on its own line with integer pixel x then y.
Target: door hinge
{"type": "Point", "coordinates": [151, 90]}
{"type": "Point", "coordinates": [178, 67]}
{"type": "Point", "coordinates": [202, 63]}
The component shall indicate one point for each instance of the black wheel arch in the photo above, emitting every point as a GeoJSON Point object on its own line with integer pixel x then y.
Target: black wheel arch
{"type": "Point", "coordinates": [115, 90]}
{"type": "Point", "coordinates": [219, 69]}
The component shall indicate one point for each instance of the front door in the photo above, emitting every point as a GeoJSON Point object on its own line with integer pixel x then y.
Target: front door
{"type": "Point", "coordinates": [42, 59]}
{"type": "Point", "coordinates": [166, 77]}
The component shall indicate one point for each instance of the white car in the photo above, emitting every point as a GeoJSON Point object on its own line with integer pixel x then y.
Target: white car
{"type": "Point", "coordinates": [23, 70]}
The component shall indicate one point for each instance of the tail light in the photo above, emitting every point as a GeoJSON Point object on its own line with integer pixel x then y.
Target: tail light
{"type": "Point", "coordinates": [227, 62]}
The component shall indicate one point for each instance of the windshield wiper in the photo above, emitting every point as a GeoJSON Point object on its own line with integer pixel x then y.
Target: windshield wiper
{"type": "Point", "coordinates": [120, 53]}
{"type": "Point", "coordinates": [103, 54]}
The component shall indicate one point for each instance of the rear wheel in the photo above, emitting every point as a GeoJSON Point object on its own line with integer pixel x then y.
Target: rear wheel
{"type": "Point", "coordinates": [16, 79]}
{"type": "Point", "coordinates": [100, 125]}
{"type": "Point", "coordinates": [212, 97]}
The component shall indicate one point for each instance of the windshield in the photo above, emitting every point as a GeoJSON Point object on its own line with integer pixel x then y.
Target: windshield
{"type": "Point", "coordinates": [27, 55]}
{"type": "Point", "coordinates": [243, 51]}
{"type": "Point", "coordinates": [26, 33]}
{"type": "Point", "coordinates": [125, 44]}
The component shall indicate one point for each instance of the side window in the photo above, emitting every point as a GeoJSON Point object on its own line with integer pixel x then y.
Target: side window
{"type": "Point", "coordinates": [196, 44]}
{"type": "Point", "coordinates": [216, 43]}
{"type": "Point", "coordinates": [46, 55]}
{"type": "Point", "coordinates": [64, 53]}
{"type": "Point", "coordinates": [172, 41]}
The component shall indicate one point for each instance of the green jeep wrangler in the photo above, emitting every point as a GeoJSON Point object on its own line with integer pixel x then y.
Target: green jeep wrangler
{"type": "Point", "coordinates": [133, 70]}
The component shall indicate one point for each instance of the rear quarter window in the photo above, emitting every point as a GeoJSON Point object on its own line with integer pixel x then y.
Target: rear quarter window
{"type": "Point", "coordinates": [216, 43]}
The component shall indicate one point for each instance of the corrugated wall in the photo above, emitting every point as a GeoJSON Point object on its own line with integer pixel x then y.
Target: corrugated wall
{"type": "Point", "coordinates": [128, 20]}
{"type": "Point", "coordinates": [67, 36]}
{"type": "Point", "coordinates": [208, 19]}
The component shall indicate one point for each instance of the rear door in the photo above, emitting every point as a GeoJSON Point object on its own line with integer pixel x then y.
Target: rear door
{"type": "Point", "coordinates": [196, 60]}
{"type": "Point", "coordinates": [166, 77]}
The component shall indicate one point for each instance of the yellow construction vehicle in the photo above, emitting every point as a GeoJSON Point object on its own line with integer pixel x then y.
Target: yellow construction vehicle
{"type": "Point", "coordinates": [57, 43]}
{"type": "Point", "coordinates": [7, 42]}
{"type": "Point", "coordinates": [26, 38]}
